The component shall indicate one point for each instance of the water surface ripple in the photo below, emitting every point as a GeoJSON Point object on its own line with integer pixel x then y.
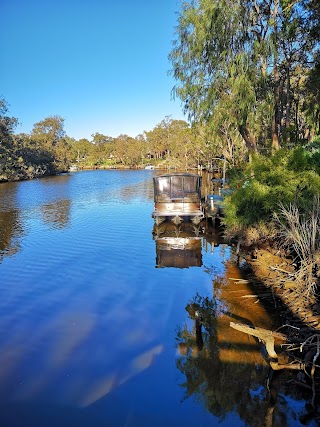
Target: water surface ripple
{"type": "Point", "coordinates": [93, 334]}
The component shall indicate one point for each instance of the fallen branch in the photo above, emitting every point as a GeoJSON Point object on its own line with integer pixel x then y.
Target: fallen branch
{"type": "Point", "coordinates": [313, 371]}
{"type": "Point", "coordinates": [294, 366]}
{"type": "Point", "coordinates": [266, 336]}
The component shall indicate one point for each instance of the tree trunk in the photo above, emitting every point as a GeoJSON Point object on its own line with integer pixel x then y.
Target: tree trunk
{"type": "Point", "coordinates": [296, 119]}
{"type": "Point", "coordinates": [288, 106]}
{"type": "Point", "coordinates": [249, 138]}
{"type": "Point", "coordinates": [276, 93]}
{"type": "Point", "coordinates": [275, 118]}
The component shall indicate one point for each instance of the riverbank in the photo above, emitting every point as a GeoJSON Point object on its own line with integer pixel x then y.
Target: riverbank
{"type": "Point", "coordinates": [41, 171]}
{"type": "Point", "coordinates": [300, 315]}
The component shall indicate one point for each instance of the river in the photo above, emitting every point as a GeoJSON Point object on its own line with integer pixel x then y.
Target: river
{"type": "Point", "coordinates": [99, 324]}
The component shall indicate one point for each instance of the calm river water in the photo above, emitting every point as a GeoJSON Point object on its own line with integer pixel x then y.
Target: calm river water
{"type": "Point", "coordinates": [98, 323]}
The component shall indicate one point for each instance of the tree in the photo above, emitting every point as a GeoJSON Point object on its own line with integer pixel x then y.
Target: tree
{"type": "Point", "coordinates": [123, 149]}
{"type": "Point", "coordinates": [212, 65]}
{"type": "Point", "coordinates": [169, 140]}
{"type": "Point", "coordinates": [49, 131]}
{"type": "Point", "coordinates": [212, 378]}
{"type": "Point", "coordinates": [312, 98]}
{"type": "Point", "coordinates": [159, 139]}
{"type": "Point", "coordinates": [312, 85]}
{"type": "Point", "coordinates": [99, 138]}
{"type": "Point", "coordinates": [234, 60]}
{"type": "Point", "coordinates": [33, 160]}
{"type": "Point", "coordinates": [7, 127]}
{"type": "Point", "coordinates": [81, 150]}
{"type": "Point", "coordinates": [7, 124]}
{"type": "Point", "coordinates": [8, 157]}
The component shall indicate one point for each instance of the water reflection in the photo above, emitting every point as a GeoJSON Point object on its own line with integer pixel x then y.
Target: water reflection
{"type": "Point", "coordinates": [180, 246]}
{"type": "Point", "coordinates": [57, 214]}
{"type": "Point", "coordinates": [226, 370]}
{"type": "Point", "coordinates": [11, 229]}
{"type": "Point", "coordinates": [87, 323]}
{"type": "Point", "coordinates": [177, 246]}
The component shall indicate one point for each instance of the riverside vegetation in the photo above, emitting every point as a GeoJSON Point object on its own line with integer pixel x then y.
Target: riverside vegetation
{"type": "Point", "coordinates": [249, 70]}
{"type": "Point", "coordinates": [248, 75]}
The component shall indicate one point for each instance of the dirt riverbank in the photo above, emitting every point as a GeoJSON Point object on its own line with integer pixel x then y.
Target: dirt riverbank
{"type": "Point", "coordinates": [299, 314]}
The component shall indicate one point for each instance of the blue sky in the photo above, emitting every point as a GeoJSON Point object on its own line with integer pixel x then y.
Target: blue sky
{"type": "Point", "coordinates": [100, 64]}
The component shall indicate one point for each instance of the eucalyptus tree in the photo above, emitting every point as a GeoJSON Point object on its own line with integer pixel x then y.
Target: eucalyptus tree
{"type": "Point", "coordinates": [49, 135]}
{"type": "Point", "coordinates": [156, 143]}
{"type": "Point", "coordinates": [7, 124]}
{"type": "Point", "coordinates": [7, 127]}
{"type": "Point", "coordinates": [160, 137]}
{"type": "Point", "coordinates": [141, 147]}
{"type": "Point", "coordinates": [102, 147]}
{"type": "Point", "coordinates": [297, 47]}
{"type": "Point", "coordinates": [212, 65]}
{"type": "Point", "coordinates": [8, 156]}
{"type": "Point", "coordinates": [124, 151]}
{"type": "Point", "coordinates": [82, 151]}
{"type": "Point", "coordinates": [312, 82]}
{"type": "Point", "coordinates": [49, 131]}
{"type": "Point", "coordinates": [100, 138]}
{"type": "Point", "coordinates": [231, 59]}
{"type": "Point", "coordinates": [312, 98]}
{"type": "Point", "coordinates": [185, 145]}
{"type": "Point", "coordinates": [312, 16]}
{"type": "Point", "coordinates": [167, 140]}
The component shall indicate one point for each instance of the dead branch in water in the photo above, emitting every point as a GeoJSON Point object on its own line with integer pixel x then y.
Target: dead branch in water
{"type": "Point", "coordinates": [266, 336]}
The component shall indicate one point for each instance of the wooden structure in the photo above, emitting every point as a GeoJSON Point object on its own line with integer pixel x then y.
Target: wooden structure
{"type": "Point", "coordinates": [177, 197]}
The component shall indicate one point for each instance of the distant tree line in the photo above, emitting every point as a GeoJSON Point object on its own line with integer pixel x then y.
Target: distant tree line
{"type": "Point", "coordinates": [47, 150]}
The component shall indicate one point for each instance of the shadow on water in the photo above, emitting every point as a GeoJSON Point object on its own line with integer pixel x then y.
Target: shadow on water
{"type": "Point", "coordinates": [226, 370]}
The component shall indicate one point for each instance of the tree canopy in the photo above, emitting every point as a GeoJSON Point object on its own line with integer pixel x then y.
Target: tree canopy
{"type": "Point", "coordinates": [48, 150]}
{"type": "Point", "coordinates": [240, 64]}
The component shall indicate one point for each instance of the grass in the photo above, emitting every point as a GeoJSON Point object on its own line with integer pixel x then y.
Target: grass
{"type": "Point", "coordinates": [300, 234]}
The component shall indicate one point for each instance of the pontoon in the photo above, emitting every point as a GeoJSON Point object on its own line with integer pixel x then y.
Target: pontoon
{"type": "Point", "coordinates": [177, 197]}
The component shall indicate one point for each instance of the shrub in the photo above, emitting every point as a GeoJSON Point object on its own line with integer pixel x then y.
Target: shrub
{"type": "Point", "coordinates": [300, 233]}
{"type": "Point", "coordinates": [288, 176]}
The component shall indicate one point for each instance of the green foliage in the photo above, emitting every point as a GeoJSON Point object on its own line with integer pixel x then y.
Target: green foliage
{"type": "Point", "coordinates": [241, 65]}
{"type": "Point", "coordinates": [47, 150]}
{"type": "Point", "coordinates": [286, 177]}
{"type": "Point", "coordinates": [49, 131]}
{"type": "Point", "coordinates": [214, 70]}
{"type": "Point", "coordinates": [25, 157]}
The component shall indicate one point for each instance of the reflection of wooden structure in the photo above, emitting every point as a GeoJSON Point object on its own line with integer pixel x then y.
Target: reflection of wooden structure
{"type": "Point", "coordinates": [177, 246]}
{"type": "Point", "coordinates": [224, 363]}
{"type": "Point", "coordinates": [177, 197]}
{"type": "Point", "coordinates": [180, 252]}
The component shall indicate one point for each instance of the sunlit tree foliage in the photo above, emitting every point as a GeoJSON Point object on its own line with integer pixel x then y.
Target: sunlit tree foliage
{"type": "Point", "coordinates": [236, 65]}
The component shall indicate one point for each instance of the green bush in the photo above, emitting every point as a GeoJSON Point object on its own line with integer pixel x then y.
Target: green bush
{"type": "Point", "coordinates": [288, 176]}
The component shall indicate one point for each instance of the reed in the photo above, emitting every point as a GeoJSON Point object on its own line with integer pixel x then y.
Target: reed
{"type": "Point", "coordinates": [300, 234]}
